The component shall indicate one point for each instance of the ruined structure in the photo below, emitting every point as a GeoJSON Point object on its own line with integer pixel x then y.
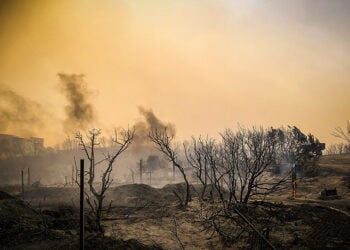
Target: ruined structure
{"type": "Point", "coordinates": [14, 146]}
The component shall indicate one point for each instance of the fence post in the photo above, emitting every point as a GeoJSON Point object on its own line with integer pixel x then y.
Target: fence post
{"type": "Point", "coordinates": [73, 175]}
{"type": "Point", "coordinates": [140, 171]}
{"type": "Point", "coordinates": [22, 186]}
{"type": "Point", "coordinates": [150, 175]}
{"type": "Point", "coordinates": [28, 179]}
{"type": "Point", "coordinates": [82, 204]}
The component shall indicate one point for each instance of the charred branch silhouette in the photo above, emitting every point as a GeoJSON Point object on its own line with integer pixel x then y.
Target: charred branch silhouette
{"type": "Point", "coordinates": [95, 202]}
{"type": "Point", "coordinates": [196, 157]}
{"type": "Point", "coordinates": [163, 141]}
{"type": "Point", "coordinates": [340, 133]}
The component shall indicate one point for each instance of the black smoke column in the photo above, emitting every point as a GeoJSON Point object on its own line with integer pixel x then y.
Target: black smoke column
{"type": "Point", "coordinates": [79, 111]}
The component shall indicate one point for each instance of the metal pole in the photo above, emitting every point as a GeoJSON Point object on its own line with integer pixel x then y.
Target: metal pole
{"type": "Point", "coordinates": [81, 204]}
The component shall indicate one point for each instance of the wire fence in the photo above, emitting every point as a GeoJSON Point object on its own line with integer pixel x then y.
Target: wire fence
{"type": "Point", "coordinates": [37, 213]}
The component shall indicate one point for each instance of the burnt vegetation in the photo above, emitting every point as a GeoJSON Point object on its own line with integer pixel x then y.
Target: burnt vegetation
{"type": "Point", "coordinates": [249, 188]}
{"type": "Point", "coordinates": [122, 141]}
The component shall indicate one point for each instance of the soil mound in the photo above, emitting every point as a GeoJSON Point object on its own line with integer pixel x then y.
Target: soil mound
{"type": "Point", "coordinates": [180, 188]}
{"type": "Point", "coordinates": [134, 194]}
{"type": "Point", "coordinates": [51, 192]}
{"type": "Point", "coordinates": [5, 196]}
{"type": "Point", "coordinates": [108, 243]}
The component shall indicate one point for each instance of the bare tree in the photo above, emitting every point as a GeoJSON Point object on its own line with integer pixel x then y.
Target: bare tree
{"type": "Point", "coordinates": [196, 158]}
{"type": "Point", "coordinates": [98, 187]}
{"type": "Point", "coordinates": [70, 144]}
{"type": "Point", "coordinates": [164, 142]}
{"type": "Point", "coordinates": [298, 150]}
{"type": "Point", "coordinates": [339, 148]}
{"type": "Point", "coordinates": [247, 156]}
{"type": "Point", "coordinates": [240, 168]}
{"type": "Point", "coordinates": [340, 133]}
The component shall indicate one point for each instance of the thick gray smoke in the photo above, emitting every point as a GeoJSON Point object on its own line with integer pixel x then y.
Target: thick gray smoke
{"type": "Point", "coordinates": [150, 123]}
{"type": "Point", "coordinates": [155, 162]}
{"type": "Point", "coordinates": [18, 114]}
{"type": "Point", "coordinates": [79, 111]}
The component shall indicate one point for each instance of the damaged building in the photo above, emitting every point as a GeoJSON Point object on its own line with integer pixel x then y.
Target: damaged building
{"type": "Point", "coordinates": [14, 146]}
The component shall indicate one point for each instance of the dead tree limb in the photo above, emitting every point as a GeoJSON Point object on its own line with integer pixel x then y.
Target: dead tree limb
{"type": "Point", "coordinates": [122, 140]}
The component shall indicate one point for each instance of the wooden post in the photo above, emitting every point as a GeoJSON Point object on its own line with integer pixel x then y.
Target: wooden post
{"type": "Point", "coordinates": [72, 175]}
{"type": "Point", "coordinates": [22, 186]}
{"type": "Point", "coordinates": [150, 175]}
{"type": "Point", "coordinates": [28, 178]}
{"type": "Point", "coordinates": [81, 204]}
{"type": "Point", "coordinates": [141, 171]}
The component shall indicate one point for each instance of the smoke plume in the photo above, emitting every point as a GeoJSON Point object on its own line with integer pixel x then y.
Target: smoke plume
{"type": "Point", "coordinates": [150, 123]}
{"type": "Point", "coordinates": [155, 162]}
{"type": "Point", "coordinates": [18, 114]}
{"type": "Point", "coordinates": [79, 111]}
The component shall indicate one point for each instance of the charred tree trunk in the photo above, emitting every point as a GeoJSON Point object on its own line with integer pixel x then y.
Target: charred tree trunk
{"type": "Point", "coordinates": [95, 201]}
{"type": "Point", "coordinates": [163, 140]}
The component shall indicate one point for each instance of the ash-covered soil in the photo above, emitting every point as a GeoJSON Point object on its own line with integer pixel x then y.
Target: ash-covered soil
{"type": "Point", "coordinates": [144, 217]}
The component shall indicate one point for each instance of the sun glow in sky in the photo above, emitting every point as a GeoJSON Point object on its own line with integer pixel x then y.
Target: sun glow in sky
{"type": "Point", "coordinates": [202, 65]}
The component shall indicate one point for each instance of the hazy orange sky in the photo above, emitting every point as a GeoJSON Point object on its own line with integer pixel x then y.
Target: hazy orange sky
{"type": "Point", "coordinates": [202, 65]}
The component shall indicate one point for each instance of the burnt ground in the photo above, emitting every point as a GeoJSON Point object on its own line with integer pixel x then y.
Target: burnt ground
{"type": "Point", "coordinates": [143, 217]}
